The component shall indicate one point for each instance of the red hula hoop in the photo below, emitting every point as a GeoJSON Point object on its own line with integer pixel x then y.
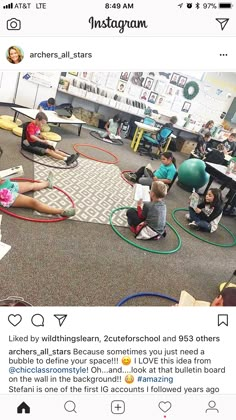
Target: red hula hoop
{"type": "Point", "coordinates": [116, 160]}
{"type": "Point", "coordinates": [30, 219]}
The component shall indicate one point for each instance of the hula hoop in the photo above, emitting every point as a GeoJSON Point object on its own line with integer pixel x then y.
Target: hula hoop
{"type": "Point", "coordinates": [199, 237]}
{"type": "Point", "coordinates": [123, 177]}
{"type": "Point", "coordinates": [115, 142]}
{"type": "Point", "coordinates": [30, 219]}
{"type": "Point", "coordinates": [139, 246]}
{"type": "Point", "coordinates": [145, 294]}
{"type": "Point", "coordinates": [116, 160]}
{"type": "Point", "coordinates": [50, 166]}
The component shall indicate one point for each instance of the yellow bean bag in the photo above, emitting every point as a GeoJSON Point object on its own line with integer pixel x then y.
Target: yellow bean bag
{"type": "Point", "coordinates": [17, 131]}
{"type": "Point", "coordinates": [10, 118]}
{"type": "Point", "coordinates": [45, 128]}
{"type": "Point", "coordinates": [7, 125]}
{"type": "Point", "coordinates": [51, 136]}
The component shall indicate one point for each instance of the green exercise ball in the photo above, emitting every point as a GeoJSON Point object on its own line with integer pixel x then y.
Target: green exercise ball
{"type": "Point", "coordinates": [192, 173]}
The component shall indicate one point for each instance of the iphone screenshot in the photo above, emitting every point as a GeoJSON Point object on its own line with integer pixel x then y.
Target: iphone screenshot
{"type": "Point", "coordinates": [117, 210]}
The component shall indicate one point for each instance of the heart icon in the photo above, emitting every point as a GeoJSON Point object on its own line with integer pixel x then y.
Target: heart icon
{"type": "Point", "coordinates": [165, 406]}
{"type": "Point", "coordinates": [14, 319]}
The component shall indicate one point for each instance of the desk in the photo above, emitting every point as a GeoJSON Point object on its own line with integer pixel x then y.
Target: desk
{"type": "Point", "coordinates": [141, 128]}
{"type": "Point", "coordinates": [52, 117]}
{"type": "Point", "coordinates": [219, 172]}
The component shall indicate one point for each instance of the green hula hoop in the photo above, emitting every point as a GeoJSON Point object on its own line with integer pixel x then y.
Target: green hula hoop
{"type": "Point", "coordinates": [141, 247]}
{"type": "Point", "coordinates": [199, 237]}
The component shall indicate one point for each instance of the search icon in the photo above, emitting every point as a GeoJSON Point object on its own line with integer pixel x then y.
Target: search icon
{"type": "Point", "coordinates": [70, 406]}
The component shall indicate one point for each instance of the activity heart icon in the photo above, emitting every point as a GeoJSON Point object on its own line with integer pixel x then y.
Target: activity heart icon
{"type": "Point", "coordinates": [165, 406]}
{"type": "Point", "coordinates": [14, 319]}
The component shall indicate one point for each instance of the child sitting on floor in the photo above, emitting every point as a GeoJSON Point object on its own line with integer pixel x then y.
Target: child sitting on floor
{"type": "Point", "coordinates": [207, 214]}
{"type": "Point", "coordinates": [34, 142]}
{"type": "Point", "coordinates": [149, 220]}
{"type": "Point", "coordinates": [113, 127]}
{"type": "Point", "coordinates": [165, 173]}
{"type": "Point", "coordinates": [11, 195]}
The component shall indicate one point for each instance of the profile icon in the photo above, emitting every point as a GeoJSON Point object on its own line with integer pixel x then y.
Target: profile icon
{"type": "Point", "coordinates": [14, 54]}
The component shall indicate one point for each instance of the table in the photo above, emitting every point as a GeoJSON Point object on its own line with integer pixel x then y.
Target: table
{"type": "Point", "coordinates": [51, 115]}
{"type": "Point", "coordinates": [141, 128]}
{"type": "Point", "coordinates": [219, 172]}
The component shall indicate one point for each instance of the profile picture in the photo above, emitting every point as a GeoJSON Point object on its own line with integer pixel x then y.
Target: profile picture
{"type": "Point", "coordinates": [14, 54]}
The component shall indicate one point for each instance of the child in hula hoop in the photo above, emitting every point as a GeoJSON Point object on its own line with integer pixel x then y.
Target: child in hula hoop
{"type": "Point", "coordinates": [12, 195]}
{"type": "Point", "coordinates": [206, 215]}
{"type": "Point", "coordinates": [149, 220]}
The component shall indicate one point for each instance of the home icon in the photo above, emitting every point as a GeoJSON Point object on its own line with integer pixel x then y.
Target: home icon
{"type": "Point", "coordinates": [23, 408]}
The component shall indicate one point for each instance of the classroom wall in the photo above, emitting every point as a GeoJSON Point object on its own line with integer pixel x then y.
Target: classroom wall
{"type": "Point", "coordinates": [8, 86]}
{"type": "Point", "coordinates": [38, 87]}
{"type": "Point", "coordinates": [165, 94]}
{"type": "Point", "coordinates": [217, 91]}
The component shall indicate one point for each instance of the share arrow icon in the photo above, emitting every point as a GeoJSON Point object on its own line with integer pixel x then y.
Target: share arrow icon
{"type": "Point", "coordinates": [60, 318]}
{"type": "Point", "coordinates": [223, 22]}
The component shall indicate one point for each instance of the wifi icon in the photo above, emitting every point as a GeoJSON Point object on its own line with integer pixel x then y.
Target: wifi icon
{"type": "Point", "coordinates": [8, 6]}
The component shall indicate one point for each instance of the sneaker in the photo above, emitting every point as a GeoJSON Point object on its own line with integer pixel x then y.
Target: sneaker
{"type": "Point", "coordinates": [156, 238]}
{"type": "Point", "coordinates": [50, 180]}
{"type": "Point", "coordinates": [68, 213]}
{"type": "Point", "coordinates": [193, 225]}
{"type": "Point", "coordinates": [131, 177]}
{"type": "Point", "coordinates": [71, 159]}
{"type": "Point", "coordinates": [187, 216]}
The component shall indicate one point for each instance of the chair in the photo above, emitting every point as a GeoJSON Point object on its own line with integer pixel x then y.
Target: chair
{"type": "Point", "coordinates": [23, 137]}
{"type": "Point", "coordinates": [172, 182]}
{"type": "Point", "coordinates": [162, 141]}
{"type": "Point", "coordinates": [29, 148]}
{"type": "Point", "coordinates": [149, 121]}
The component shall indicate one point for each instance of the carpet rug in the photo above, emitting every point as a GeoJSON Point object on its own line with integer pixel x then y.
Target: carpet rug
{"type": "Point", "coordinates": [96, 188]}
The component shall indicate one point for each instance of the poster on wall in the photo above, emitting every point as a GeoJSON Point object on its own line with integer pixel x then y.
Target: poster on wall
{"type": "Point", "coordinates": [40, 78]}
{"type": "Point", "coordinates": [121, 86]}
{"type": "Point", "coordinates": [165, 75]}
{"type": "Point", "coordinates": [85, 75]}
{"type": "Point", "coordinates": [144, 95]}
{"type": "Point", "coordinates": [152, 97]}
{"type": "Point", "coordinates": [160, 87]}
{"type": "Point", "coordinates": [186, 106]}
{"type": "Point", "coordinates": [134, 91]}
{"type": "Point", "coordinates": [125, 76]}
{"type": "Point", "coordinates": [171, 90]}
{"type": "Point", "coordinates": [182, 81]}
{"type": "Point", "coordinates": [137, 78]}
{"type": "Point", "coordinates": [175, 78]}
{"type": "Point", "coordinates": [177, 104]}
{"type": "Point", "coordinates": [99, 78]}
{"type": "Point", "coordinates": [112, 79]}
{"type": "Point", "coordinates": [160, 101]}
{"type": "Point", "coordinates": [148, 83]}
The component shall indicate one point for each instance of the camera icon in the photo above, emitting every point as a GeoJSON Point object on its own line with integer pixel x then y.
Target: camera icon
{"type": "Point", "coordinates": [13, 24]}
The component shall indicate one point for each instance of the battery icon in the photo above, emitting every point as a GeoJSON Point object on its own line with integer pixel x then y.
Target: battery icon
{"type": "Point", "coordinates": [225, 5]}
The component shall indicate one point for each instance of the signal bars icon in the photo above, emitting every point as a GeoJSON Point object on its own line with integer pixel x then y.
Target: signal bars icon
{"type": "Point", "coordinates": [8, 6]}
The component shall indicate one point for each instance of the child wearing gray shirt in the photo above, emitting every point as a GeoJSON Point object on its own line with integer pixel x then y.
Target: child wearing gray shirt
{"type": "Point", "coordinates": [149, 220]}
